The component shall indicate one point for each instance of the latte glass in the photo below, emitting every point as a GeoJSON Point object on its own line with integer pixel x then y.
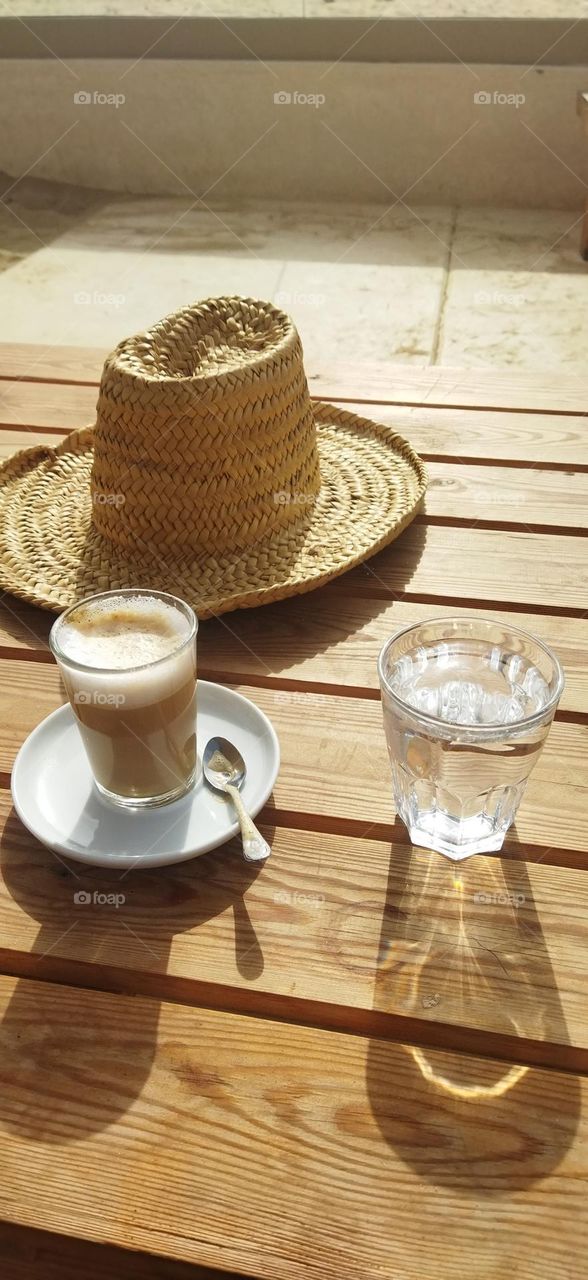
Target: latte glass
{"type": "Point", "coordinates": [467, 707]}
{"type": "Point", "coordinates": [136, 712]}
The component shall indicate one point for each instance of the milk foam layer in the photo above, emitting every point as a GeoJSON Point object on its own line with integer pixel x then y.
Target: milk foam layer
{"type": "Point", "coordinates": [119, 632]}
{"type": "Point", "coordinates": [119, 637]}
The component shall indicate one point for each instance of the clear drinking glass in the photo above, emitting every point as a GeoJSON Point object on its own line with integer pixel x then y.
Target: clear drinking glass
{"type": "Point", "coordinates": [137, 719]}
{"type": "Point", "coordinates": [467, 708]}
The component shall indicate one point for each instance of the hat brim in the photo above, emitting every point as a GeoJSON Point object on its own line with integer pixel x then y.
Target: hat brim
{"type": "Point", "coordinates": [372, 484]}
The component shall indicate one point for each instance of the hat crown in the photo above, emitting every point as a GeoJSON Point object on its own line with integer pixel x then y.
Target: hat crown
{"type": "Point", "coordinates": [205, 436]}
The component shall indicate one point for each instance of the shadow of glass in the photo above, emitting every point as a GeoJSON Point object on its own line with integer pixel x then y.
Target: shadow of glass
{"type": "Point", "coordinates": [462, 944]}
{"type": "Point", "coordinates": [485, 1129]}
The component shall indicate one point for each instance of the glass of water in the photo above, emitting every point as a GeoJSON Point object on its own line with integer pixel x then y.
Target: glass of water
{"type": "Point", "coordinates": [467, 708]}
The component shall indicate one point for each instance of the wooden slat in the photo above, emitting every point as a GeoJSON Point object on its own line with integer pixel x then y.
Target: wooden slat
{"type": "Point", "coordinates": [328, 740]}
{"type": "Point", "coordinates": [45, 404]}
{"type": "Point", "coordinates": [527, 390]}
{"type": "Point", "coordinates": [20, 360]}
{"type": "Point", "coordinates": [374, 936]}
{"type": "Point", "coordinates": [497, 495]}
{"type": "Point", "coordinates": [521, 439]}
{"type": "Point", "coordinates": [479, 565]}
{"type": "Point", "coordinates": [265, 1148]}
{"type": "Point", "coordinates": [319, 639]}
{"type": "Point", "coordinates": [13, 440]}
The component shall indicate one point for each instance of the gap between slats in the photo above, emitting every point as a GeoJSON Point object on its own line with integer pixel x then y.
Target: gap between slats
{"type": "Point", "coordinates": [461, 602]}
{"type": "Point", "coordinates": [298, 1011]}
{"type": "Point", "coordinates": [503, 526]}
{"type": "Point", "coordinates": [424, 402]}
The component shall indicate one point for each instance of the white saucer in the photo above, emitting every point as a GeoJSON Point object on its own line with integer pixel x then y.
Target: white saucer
{"type": "Point", "coordinates": [54, 795]}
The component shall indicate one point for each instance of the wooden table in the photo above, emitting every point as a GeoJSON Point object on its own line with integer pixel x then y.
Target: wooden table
{"type": "Point", "coordinates": [347, 1065]}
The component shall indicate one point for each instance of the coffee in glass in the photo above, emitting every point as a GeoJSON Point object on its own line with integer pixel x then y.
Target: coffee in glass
{"type": "Point", "coordinates": [128, 662]}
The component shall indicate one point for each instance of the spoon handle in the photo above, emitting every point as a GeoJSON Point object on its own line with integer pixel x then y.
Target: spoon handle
{"type": "Point", "coordinates": [255, 848]}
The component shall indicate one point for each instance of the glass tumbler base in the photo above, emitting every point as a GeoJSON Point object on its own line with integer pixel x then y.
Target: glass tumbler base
{"type": "Point", "coordinates": [455, 839]}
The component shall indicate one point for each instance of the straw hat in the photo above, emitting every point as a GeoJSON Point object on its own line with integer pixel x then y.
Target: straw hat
{"type": "Point", "coordinates": [209, 473]}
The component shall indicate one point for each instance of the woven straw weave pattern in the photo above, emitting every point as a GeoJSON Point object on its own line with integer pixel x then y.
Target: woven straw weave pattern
{"type": "Point", "coordinates": [222, 388]}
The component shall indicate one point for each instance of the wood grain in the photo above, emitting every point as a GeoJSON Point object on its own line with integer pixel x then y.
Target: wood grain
{"type": "Point", "coordinates": [46, 405]}
{"type": "Point", "coordinates": [12, 441]}
{"type": "Point", "coordinates": [507, 495]}
{"type": "Point", "coordinates": [338, 932]}
{"type": "Point", "coordinates": [35, 362]}
{"type": "Point", "coordinates": [151, 1143]}
{"type": "Point", "coordinates": [327, 740]}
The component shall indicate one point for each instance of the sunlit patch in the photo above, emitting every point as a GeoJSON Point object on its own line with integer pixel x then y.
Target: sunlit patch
{"type": "Point", "coordinates": [470, 1092]}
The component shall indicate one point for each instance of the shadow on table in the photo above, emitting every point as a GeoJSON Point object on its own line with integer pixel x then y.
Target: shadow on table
{"type": "Point", "coordinates": [461, 943]}
{"type": "Point", "coordinates": [307, 625]}
{"type": "Point", "coordinates": [27, 1253]}
{"type": "Point", "coordinates": [121, 946]}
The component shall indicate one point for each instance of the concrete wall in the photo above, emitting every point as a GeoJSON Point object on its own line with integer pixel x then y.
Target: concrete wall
{"type": "Point", "coordinates": [383, 130]}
